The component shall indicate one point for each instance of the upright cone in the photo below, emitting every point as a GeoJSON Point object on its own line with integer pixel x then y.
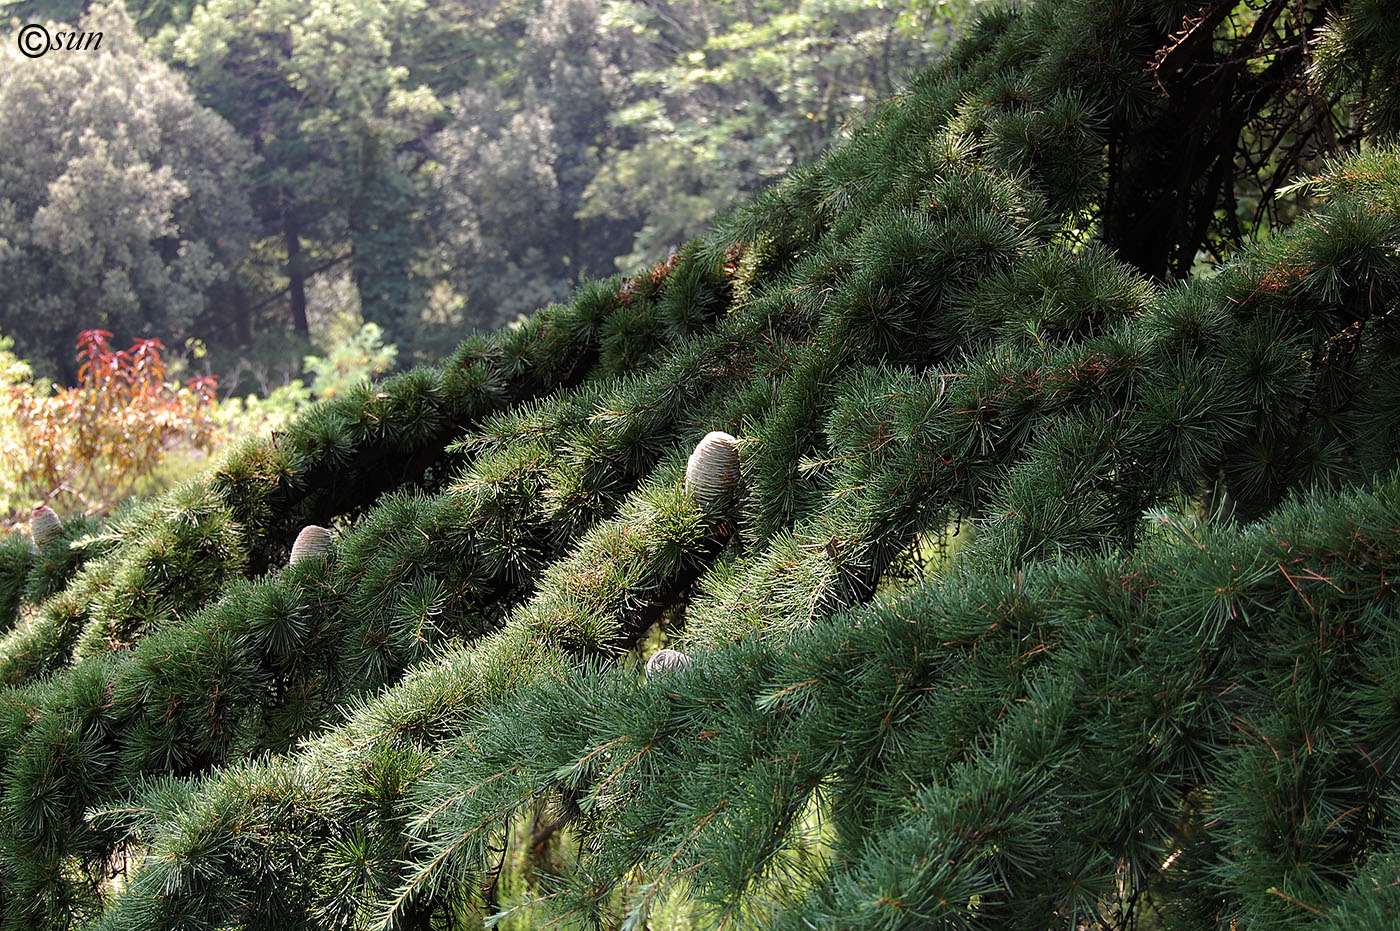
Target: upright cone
{"type": "Point", "coordinates": [44, 526]}
{"type": "Point", "coordinates": [312, 541]}
{"type": "Point", "coordinates": [712, 473]}
{"type": "Point", "coordinates": [663, 662]}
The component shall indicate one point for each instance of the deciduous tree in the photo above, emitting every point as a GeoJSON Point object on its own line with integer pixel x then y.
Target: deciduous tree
{"type": "Point", "coordinates": [122, 200]}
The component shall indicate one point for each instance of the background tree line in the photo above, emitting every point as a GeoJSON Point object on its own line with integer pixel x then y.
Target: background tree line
{"type": "Point", "coordinates": [239, 171]}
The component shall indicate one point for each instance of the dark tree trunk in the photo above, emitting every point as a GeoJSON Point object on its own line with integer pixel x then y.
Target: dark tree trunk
{"type": "Point", "coordinates": [230, 301]}
{"type": "Point", "coordinates": [242, 316]}
{"type": "Point", "coordinates": [296, 271]}
{"type": "Point", "coordinates": [1175, 170]}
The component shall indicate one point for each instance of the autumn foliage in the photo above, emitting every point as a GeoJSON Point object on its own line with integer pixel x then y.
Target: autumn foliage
{"type": "Point", "coordinates": [95, 442]}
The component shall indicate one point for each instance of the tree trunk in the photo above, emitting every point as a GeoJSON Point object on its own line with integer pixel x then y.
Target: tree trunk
{"type": "Point", "coordinates": [296, 272]}
{"type": "Point", "coordinates": [242, 317]}
{"type": "Point", "coordinates": [1164, 195]}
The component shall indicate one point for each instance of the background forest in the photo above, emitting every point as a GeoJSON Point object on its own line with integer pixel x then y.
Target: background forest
{"type": "Point", "coordinates": [992, 522]}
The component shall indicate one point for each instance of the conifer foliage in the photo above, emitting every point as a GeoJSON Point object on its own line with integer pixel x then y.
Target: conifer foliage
{"type": "Point", "coordinates": [1158, 688]}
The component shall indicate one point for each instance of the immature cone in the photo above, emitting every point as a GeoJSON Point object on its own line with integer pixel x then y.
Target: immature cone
{"type": "Point", "coordinates": [712, 473]}
{"type": "Point", "coordinates": [312, 541]}
{"type": "Point", "coordinates": [44, 526]}
{"type": "Point", "coordinates": [666, 661]}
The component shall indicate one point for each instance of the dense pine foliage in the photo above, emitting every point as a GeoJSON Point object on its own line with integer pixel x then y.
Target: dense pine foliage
{"type": "Point", "coordinates": [1157, 686]}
